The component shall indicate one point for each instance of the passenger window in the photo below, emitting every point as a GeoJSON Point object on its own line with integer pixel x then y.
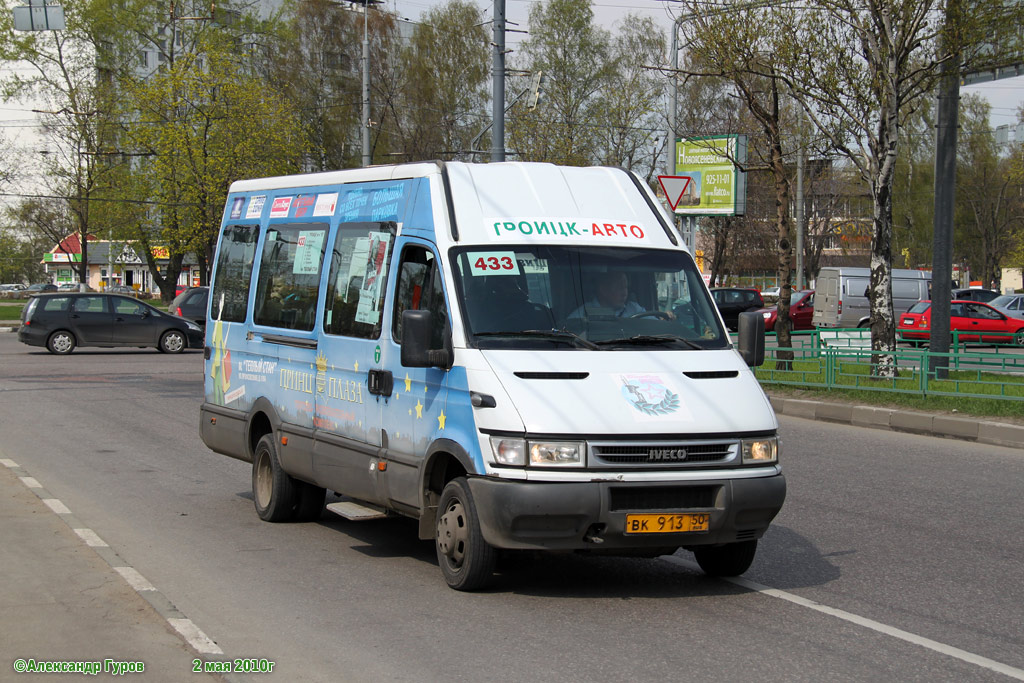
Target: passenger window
{"type": "Point", "coordinates": [358, 279]}
{"type": "Point", "coordinates": [128, 307]}
{"type": "Point", "coordinates": [91, 304]}
{"type": "Point", "coordinates": [289, 279]}
{"type": "Point", "coordinates": [420, 289]}
{"type": "Point", "coordinates": [234, 272]}
{"type": "Point", "coordinates": [60, 304]}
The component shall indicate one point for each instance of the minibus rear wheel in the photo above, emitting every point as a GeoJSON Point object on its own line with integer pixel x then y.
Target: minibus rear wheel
{"type": "Point", "coordinates": [466, 559]}
{"type": "Point", "coordinates": [273, 490]}
{"type": "Point", "coordinates": [731, 559]}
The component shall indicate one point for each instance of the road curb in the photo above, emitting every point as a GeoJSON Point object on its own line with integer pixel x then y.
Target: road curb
{"type": "Point", "coordinates": [893, 419]}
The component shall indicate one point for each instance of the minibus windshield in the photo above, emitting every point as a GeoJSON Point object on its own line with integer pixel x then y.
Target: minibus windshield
{"type": "Point", "coordinates": [588, 298]}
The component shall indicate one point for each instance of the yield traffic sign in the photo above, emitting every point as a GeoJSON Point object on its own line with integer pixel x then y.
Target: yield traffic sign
{"type": "Point", "coordinates": [674, 187]}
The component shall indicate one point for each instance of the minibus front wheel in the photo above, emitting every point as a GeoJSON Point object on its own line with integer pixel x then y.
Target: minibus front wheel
{"type": "Point", "coordinates": [273, 490]}
{"type": "Point", "coordinates": [466, 559]}
{"type": "Point", "coordinates": [731, 559]}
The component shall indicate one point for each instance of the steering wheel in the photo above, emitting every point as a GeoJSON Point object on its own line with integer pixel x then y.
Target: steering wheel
{"type": "Point", "coordinates": [664, 315]}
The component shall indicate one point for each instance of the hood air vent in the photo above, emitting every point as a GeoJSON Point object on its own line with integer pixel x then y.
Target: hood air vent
{"type": "Point", "coordinates": [551, 375]}
{"type": "Point", "coordinates": [712, 374]}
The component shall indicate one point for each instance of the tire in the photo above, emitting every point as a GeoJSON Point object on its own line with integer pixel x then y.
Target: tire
{"type": "Point", "coordinates": [172, 341]}
{"type": "Point", "coordinates": [731, 559]}
{"type": "Point", "coordinates": [61, 343]}
{"type": "Point", "coordinates": [466, 559]}
{"type": "Point", "coordinates": [1018, 338]}
{"type": "Point", "coordinates": [310, 504]}
{"type": "Point", "coordinates": [274, 492]}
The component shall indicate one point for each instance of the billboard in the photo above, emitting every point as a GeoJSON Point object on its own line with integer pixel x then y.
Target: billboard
{"type": "Point", "coordinates": [717, 187]}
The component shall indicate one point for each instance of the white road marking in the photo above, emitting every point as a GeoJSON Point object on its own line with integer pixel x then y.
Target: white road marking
{"type": "Point", "coordinates": [135, 579]}
{"type": "Point", "coordinates": [195, 637]}
{"type": "Point", "coordinates": [57, 506]}
{"type": "Point", "coordinates": [91, 538]}
{"type": "Point", "coordinates": [884, 629]}
{"type": "Point", "coordinates": [31, 482]}
{"type": "Point", "coordinates": [6, 462]}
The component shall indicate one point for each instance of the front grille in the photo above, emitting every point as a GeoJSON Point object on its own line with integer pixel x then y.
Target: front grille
{"type": "Point", "coordinates": [678, 454]}
{"type": "Point", "coordinates": [661, 497]}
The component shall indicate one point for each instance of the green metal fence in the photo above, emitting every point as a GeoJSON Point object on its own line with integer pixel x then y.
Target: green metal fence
{"type": "Point", "coordinates": [843, 360]}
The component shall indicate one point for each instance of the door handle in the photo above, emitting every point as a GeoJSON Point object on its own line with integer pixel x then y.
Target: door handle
{"type": "Point", "coordinates": [380, 382]}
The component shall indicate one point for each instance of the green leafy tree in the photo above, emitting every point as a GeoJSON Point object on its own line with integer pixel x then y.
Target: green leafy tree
{"type": "Point", "coordinates": [630, 118]}
{"type": "Point", "coordinates": [989, 212]}
{"type": "Point", "coordinates": [858, 69]}
{"type": "Point", "coordinates": [573, 52]}
{"type": "Point", "coordinates": [68, 70]}
{"type": "Point", "coordinates": [446, 85]}
{"type": "Point", "coordinates": [200, 124]}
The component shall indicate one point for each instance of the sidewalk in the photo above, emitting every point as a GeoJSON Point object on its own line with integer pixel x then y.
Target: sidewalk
{"type": "Point", "coordinates": [895, 419]}
{"type": "Point", "coordinates": [63, 601]}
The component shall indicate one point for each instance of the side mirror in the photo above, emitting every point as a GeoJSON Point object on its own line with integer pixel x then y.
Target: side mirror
{"type": "Point", "coordinates": [417, 329]}
{"type": "Point", "coordinates": [751, 338]}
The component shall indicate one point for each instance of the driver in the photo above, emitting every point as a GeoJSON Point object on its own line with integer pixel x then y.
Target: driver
{"type": "Point", "coordinates": [612, 294]}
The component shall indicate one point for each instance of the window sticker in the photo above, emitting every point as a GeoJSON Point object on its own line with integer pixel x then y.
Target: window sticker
{"type": "Point", "coordinates": [368, 309]}
{"type": "Point", "coordinates": [304, 204]}
{"type": "Point", "coordinates": [236, 207]}
{"type": "Point", "coordinates": [256, 203]}
{"type": "Point", "coordinates": [307, 253]}
{"type": "Point", "coordinates": [325, 204]}
{"type": "Point", "coordinates": [279, 209]}
{"type": "Point", "coordinates": [493, 263]}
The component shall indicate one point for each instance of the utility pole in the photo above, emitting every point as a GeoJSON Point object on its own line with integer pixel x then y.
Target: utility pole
{"type": "Point", "coordinates": [945, 195]}
{"type": "Point", "coordinates": [799, 218]}
{"type": "Point", "coordinates": [498, 99]}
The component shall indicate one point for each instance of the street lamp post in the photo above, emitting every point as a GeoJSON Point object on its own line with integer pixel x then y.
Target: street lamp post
{"type": "Point", "coordinates": [367, 160]}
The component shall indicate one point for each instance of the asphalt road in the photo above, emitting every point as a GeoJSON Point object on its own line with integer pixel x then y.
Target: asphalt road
{"type": "Point", "coordinates": [896, 557]}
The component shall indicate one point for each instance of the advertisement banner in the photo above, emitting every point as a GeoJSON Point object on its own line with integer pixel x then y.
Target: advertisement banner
{"type": "Point", "coordinates": [717, 187]}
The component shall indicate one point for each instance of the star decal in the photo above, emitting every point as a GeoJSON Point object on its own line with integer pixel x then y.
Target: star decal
{"type": "Point", "coordinates": [356, 367]}
{"type": "Point", "coordinates": [441, 420]}
{"type": "Point", "coordinates": [408, 382]}
{"type": "Point", "coordinates": [419, 409]}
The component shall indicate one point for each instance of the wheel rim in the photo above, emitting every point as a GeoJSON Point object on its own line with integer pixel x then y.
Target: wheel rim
{"type": "Point", "coordinates": [453, 534]}
{"type": "Point", "coordinates": [1020, 338]}
{"type": "Point", "coordinates": [62, 343]}
{"type": "Point", "coordinates": [173, 342]}
{"type": "Point", "coordinates": [264, 481]}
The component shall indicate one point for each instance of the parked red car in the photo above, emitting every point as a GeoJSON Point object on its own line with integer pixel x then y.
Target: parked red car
{"type": "Point", "coordinates": [801, 311]}
{"type": "Point", "coordinates": [973, 320]}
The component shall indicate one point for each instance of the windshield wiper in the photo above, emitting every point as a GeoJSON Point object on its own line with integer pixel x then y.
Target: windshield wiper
{"type": "Point", "coordinates": [550, 334]}
{"type": "Point", "coordinates": [644, 339]}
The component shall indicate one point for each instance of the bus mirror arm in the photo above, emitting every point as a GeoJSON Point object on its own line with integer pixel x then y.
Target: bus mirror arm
{"type": "Point", "coordinates": [751, 338]}
{"type": "Point", "coordinates": [417, 328]}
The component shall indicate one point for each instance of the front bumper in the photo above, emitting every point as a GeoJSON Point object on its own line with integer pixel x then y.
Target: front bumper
{"type": "Point", "coordinates": [573, 516]}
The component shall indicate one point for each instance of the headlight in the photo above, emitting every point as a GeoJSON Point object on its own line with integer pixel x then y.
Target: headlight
{"type": "Point", "coordinates": [557, 454]}
{"type": "Point", "coordinates": [194, 327]}
{"type": "Point", "coordinates": [509, 451]}
{"type": "Point", "coordinates": [761, 451]}
{"type": "Point", "coordinates": [766, 315]}
{"type": "Point", "coordinates": [512, 451]}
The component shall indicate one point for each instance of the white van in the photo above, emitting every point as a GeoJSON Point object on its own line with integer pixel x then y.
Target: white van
{"type": "Point", "coordinates": [519, 356]}
{"type": "Point", "coordinates": [840, 301]}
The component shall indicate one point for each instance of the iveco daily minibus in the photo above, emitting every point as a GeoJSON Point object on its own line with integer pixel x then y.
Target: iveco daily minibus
{"type": "Point", "coordinates": [517, 355]}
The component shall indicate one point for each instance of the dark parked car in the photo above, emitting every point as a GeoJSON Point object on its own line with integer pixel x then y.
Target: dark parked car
{"type": "Point", "coordinates": [41, 287]}
{"type": "Point", "coordinates": [732, 301]}
{"type": "Point", "coordinates": [191, 305]}
{"type": "Point", "coordinates": [801, 312]}
{"type": "Point", "coordinates": [60, 322]}
{"type": "Point", "coordinates": [974, 294]}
